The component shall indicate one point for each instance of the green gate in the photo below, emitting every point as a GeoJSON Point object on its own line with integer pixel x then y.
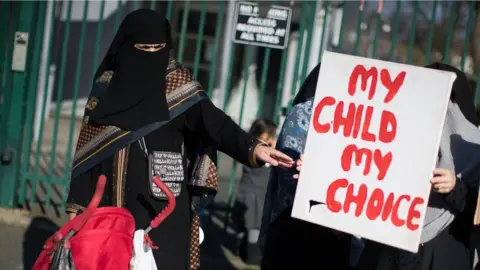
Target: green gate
{"type": "Point", "coordinates": [40, 107]}
{"type": "Point", "coordinates": [18, 29]}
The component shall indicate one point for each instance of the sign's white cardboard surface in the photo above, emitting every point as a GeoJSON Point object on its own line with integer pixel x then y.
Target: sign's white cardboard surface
{"type": "Point", "coordinates": [401, 161]}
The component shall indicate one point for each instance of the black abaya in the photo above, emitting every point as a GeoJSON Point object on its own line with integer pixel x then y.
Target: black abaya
{"type": "Point", "coordinates": [296, 244]}
{"type": "Point", "coordinates": [204, 121]}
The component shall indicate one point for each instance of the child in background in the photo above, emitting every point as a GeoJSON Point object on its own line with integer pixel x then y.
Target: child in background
{"type": "Point", "coordinates": [251, 194]}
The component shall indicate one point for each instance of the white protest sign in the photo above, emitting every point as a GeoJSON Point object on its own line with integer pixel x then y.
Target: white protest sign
{"type": "Point", "coordinates": [371, 148]}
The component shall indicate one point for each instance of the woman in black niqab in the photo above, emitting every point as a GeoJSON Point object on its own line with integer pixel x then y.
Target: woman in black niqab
{"type": "Point", "coordinates": [135, 96]}
{"type": "Point", "coordinates": [130, 135]}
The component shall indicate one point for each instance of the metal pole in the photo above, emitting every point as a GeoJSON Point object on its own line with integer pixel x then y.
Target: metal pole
{"type": "Point", "coordinates": [226, 54]}
{"type": "Point", "coordinates": [43, 75]}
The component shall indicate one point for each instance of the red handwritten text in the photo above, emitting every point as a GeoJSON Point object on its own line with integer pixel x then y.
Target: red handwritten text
{"type": "Point", "coordinates": [358, 118]}
{"type": "Point", "coordinates": [377, 206]}
{"type": "Point", "coordinates": [355, 121]}
{"type": "Point", "coordinates": [385, 78]}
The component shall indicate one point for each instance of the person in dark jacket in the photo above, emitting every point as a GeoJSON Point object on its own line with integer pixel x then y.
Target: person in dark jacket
{"type": "Point", "coordinates": [286, 242]}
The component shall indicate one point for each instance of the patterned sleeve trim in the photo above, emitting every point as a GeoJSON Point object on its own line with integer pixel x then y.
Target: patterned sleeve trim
{"type": "Point", "coordinates": [254, 163]}
{"type": "Point", "coordinates": [73, 208]}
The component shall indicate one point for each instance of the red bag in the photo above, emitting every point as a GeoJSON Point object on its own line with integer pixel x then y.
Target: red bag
{"type": "Point", "coordinates": [98, 238]}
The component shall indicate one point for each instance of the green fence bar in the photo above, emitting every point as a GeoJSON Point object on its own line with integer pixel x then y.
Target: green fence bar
{"type": "Point", "coordinates": [201, 28]}
{"type": "Point", "coordinates": [228, 83]}
{"type": "Point", "coordinates": [218, 28]}
{"type": "Point", "coordinates": [118, 14]}
{"type": "Point", "coordinates": [278, 96]}
{"type": "Point", "coordinates": [468, 33]}
{"type": "Point", "coordinates": [6, 197]}
{"type": "Point", "coordinates": [411, 38]}
{"type": "Point", "coordinates": [359, 30]}
{"type": "Point", "coordinates": [263, 80]}
{"type": "Point", "coordinates": [396, 24]}
{"type": "Point", "coordinates": [3, 30]}
{"type": "Point", "coordinates": [342, 22]}
{"type": "Point", "coordinates": [10, 33]}
{"type": "Point", "coordinates": [183, 31]}
{"type": "Point", "coordinates": [451, 25]}
{"type": "Point", "coordinates": [246, 75]}
{"type": "Point", "coordinates": [299, 53]}
{"type": "Point", "coordinates": [324, 28]}
{"type": "Point", "coordinates": [308, 42]}
{"type": "Point", "coordinates": [169, 9]}
{"type": "Point", "coordinates": [153, 4]}
{"type": "Point", "coordinates": [225, 102]}
{"type": "Point", "coordinates": [78, 74]}
{"type": "Point", "coordinates": [32, 95]}
{"type": "Point", "coordinates": [61, 83]}
{"type": "Point", "coordinates": [45, 96]}
{"type": "Point", "coordinates": [431, 30]}
{"type": "Point", "coordinates": [4, 8]}
{"type": "Point", "coordinates": [378, 22]}
{"type": "Point", "coordinates": [98, 39]}
{"type": "Point", "coordinates": [136, 4]}
{"type": "Point", "coordinates": [248, 61]}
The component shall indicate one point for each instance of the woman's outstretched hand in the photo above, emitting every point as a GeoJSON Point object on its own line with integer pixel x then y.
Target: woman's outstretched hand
{"type": "Point", "coordinates": [299, 166]}
{"type": "Point", "coordinates": [443, 180]}
{"type": "Point", "coordinates": [273, 157]}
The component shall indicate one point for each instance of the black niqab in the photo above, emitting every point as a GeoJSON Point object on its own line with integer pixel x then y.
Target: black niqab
{"type": "Point", "coordinates": [307, 90]}
{"type": "Point", "coordinates": [462, 93]}
{"type": "Point", "coordinates": [135, 96]}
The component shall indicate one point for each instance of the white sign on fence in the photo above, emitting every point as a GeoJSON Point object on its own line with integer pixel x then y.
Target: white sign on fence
{"type": "Point", "coordinates": [371, 148]}
{"type": "Point", "coordinates": [260, 25]}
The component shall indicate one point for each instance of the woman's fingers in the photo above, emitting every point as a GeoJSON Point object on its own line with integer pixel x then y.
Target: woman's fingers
{"type": "Point", "coordinates": [281, 159]}
{"type": "Point", "coordinates": [439, 179]}
{"type": "Point", "coordinates": [443, 180]}
{"type": "Point", "coordinates": [281, 156]}
{"type": "Point", "coordinates": [440, 172]}
{"type": "Point", "coordinates": [299, 167]}
{"type": "Point", "coordinates": [267, 159]}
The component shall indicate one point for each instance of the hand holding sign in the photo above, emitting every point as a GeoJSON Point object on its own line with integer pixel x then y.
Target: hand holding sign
{"type": "Point", "coordinates": [443, 180]}
{"type": "Point", "coordinates": [299, 167]}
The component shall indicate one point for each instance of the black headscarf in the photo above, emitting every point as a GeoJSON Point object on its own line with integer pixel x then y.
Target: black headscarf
{"type": "Point", "coordinates": [135, 96]}
{"type": "Point", "coordinates": [462, 93]}
{"type": "Point", "coordinates": [307, 90]}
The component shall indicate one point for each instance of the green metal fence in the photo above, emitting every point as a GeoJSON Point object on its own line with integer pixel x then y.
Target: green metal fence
{"type": "Point", "coordinates": [39, 127]}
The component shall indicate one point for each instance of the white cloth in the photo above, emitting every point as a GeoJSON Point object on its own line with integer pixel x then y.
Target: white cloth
{"type": "Point", "coordinates": [202, 235]}
{"type": "Point", "coordinates": [142, 256]}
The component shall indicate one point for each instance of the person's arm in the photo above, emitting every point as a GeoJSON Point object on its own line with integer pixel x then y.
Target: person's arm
{"type": "Point", "coordinates": [215, 126]}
